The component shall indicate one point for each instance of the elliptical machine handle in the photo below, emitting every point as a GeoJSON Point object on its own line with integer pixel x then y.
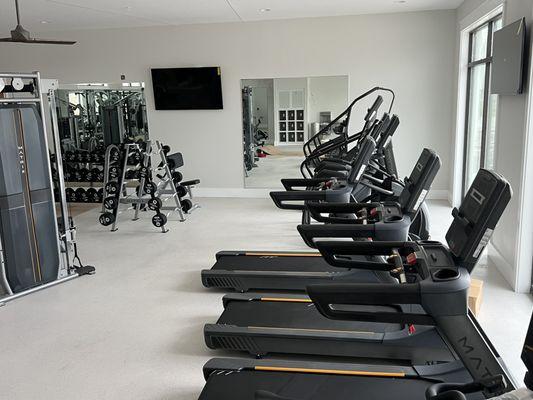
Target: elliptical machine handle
{"type": "Point", "coordinates": [291, 183]}
{"type": "Point", "coordinates": [281, 199]}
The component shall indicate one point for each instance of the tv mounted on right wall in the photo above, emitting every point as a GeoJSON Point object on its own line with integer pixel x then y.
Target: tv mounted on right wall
{"type": "Point", "coordinates": [508, 56]}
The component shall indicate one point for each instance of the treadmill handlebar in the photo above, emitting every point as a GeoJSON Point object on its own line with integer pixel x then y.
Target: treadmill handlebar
{"type": "Point", "coordinates": [377, 189]}
{"type": "Point", "coordinates": [290, 183]}
{"type": "Point", "coordinates": [335, 253]}
{"type": "Point", "coordinates": [340, 207]}
{"type": "Point", "coordinates": [329, 299]}
{"type": "Point", "coordinates": [317, 209]}
{"type": "Point", "coordinates": [310, 232]}
{"type": "Point", "coordinates": [281, 199]}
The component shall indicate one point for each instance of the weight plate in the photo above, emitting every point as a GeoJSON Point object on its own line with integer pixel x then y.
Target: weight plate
{"type": "Point", "coordinates": [159, 220]}
{"type": "Point", "coordinates": [177, 177]}
{"type": "Point", "coordinates": [186, 205]}
{"type": "Point", "coordinates": [110, 203]}
{"type": "Point", "coordinates": [155, 204]}
{"type": "Point", "coordinates": [150, 187]}
{"type": "Point", "coordinates": [111, 187]}
{"type": "Point", "coordinates": [106, 219]}
{"type": "Point", "coordinates": [17, 83]}
{"type": "Point", "coordinates": [181, 190]}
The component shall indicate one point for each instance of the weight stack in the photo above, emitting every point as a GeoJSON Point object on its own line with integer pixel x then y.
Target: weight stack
{"type": "Point", "coordinates": [28, 228]}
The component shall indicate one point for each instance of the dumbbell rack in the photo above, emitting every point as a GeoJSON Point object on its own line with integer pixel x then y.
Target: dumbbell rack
{"type": "Point", "coordinates": [156, 200]}
{"type": "Point", "coordinates": [167, 186]}
{"type": "Point", "coordinates": [138, 200]}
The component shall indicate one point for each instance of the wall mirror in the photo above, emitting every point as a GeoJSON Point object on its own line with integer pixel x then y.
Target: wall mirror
{"type": "Point", "coordinates": [279, 115]}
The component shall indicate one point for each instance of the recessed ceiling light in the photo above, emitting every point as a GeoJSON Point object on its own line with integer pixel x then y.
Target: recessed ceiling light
{"type": "Point", "coordinates": [400, 1]}
{"type": "Point", "coordinates": [45, 22]}
{"type": "Point", "coordinates": [264, 9]}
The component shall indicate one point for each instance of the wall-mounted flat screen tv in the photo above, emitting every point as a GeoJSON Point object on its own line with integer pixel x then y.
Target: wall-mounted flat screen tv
{"type": "Point", "coordinates": [187, 88]}
{"type": "Point", "coordinates": [508, 59]}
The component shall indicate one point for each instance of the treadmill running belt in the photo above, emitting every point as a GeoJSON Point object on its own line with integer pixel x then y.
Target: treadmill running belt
{"type": "Point", "coordinates": [273, 263]}
{"type": "Point", "coordinates": [274, 314]}
{"type": "Point", "coordinates": [242, 385]}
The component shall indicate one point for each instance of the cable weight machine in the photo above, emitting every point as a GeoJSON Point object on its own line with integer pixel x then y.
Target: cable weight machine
{"type": "Point", "coordinates": [38, 247]}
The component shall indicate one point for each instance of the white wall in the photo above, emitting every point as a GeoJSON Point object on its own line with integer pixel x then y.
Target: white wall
{"type": "Point", "coordinates": [326, 93]}
{"type": "Point", "coordinates": [512, 243]}
{"type": "Point", "coordinates": [411, 53]}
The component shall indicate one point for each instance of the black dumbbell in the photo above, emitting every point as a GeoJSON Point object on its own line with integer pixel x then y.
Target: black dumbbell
{"type": "Point", "coordinates": [150, 187]}
{"type": "Point", "coordinates": [107, 218]}
{"type": "Point", "coordinates": [78, 156]}
{"type": "Point", "coordinates": [95, 172]}
{"type": "Point", "coordinates": [114, 155]}
{"type": "Point", "coordinates": [177, 177]}
{"type": "Point", "coordinates": [89, 176]}
{"type": "Point", "coordinates": [114, 172]}
{"type": "Point", "coordinates": [181, 191]}
{"type": "Point", "coordinates": [67, 173]}
{"type": "Point", "coordinates": [110, 203]}
{"type": "Point", "coordinates": [111, 188]}
{"type": "Point", "coordinates": [71, 195]}
{"type": "Point", "coordinates": [159, 220]}
{"type": "Point", "coordinates": [155, 204]}
{"type": "Point", "coordinates": [166, 149]}
{"type": "Point", "coordinates": [186, 205]}
{"type": "Point", "coordinates": [80, 175]}
{"type": "Point", "coordinates": [100, 195]}
{"type": "Point", "coordinates": [132, 174]}
{"type": "Point", "coordinates": [70, 155]}
{"type": "Point", "coordinates": [92, 195]}
{"type": "Point", "coordinates": [81, 195]}
{"type": "Point", "coordinates": [134, 158]}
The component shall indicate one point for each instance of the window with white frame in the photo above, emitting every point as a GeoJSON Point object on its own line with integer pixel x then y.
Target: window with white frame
{"type": "Point", "coordinates": [481, 105]}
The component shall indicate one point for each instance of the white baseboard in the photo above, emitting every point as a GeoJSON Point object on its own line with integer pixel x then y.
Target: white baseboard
{"type": "Point", "coordinates": [438, 194]}
{"type": "Point", "coordinates": [504, 267]}
{"type": "Point", "coordinates": [260, 193]}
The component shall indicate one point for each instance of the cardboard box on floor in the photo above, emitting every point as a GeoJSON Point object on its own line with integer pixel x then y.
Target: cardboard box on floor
{"type": "Point", "coordinates": [474, 296]}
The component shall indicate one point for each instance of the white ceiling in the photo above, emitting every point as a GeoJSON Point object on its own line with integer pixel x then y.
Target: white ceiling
{"type": "Point", "coordinates": [95, 14]}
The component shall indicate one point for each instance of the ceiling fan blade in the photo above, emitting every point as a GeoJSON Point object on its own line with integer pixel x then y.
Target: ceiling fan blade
{"type": "Point", "coordinates": [7, 39]}
{"type": "Point", "coordinates": [49, 41]}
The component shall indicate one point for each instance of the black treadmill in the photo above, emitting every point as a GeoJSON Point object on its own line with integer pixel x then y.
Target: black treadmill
{"type": "Point", "coordinates": [245, 270]}
{"type": "Point", "coordinates": [274, 323]}
{"type": "Point", "coordinates": [440, 288]}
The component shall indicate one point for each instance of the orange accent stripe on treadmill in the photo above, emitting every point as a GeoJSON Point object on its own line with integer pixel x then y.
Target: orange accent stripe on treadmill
{"type": "Point", "coordinates": [332, 371]}
{"type": "Point", "coordinates": [283, 254]}
{"type": "Point", "coordinates": [286, 300]}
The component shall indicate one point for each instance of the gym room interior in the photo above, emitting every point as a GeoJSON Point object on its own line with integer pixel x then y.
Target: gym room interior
{"type": "Point", "coordinates": [266, 199]}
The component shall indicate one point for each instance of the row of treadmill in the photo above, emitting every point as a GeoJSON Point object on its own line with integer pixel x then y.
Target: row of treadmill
{"type": "Point", "coordinates": [380, 310]}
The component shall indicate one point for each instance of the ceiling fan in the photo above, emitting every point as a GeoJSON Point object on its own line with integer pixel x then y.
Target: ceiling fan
{"type": "Point", "coordinates": [21, 35]}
